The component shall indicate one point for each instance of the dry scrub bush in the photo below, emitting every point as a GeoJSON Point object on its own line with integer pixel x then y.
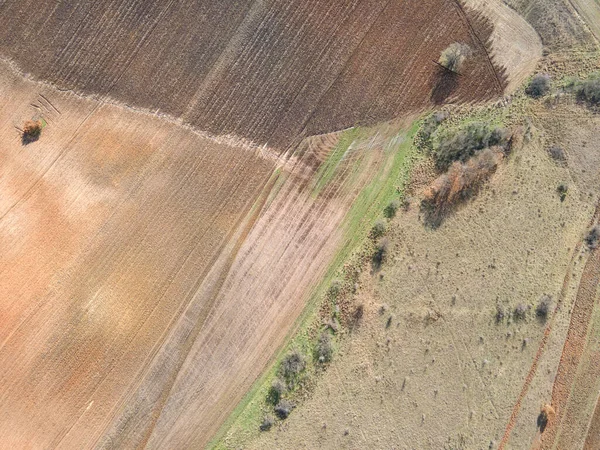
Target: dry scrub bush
{"type": "Point", "coordinates": [557, 153]}
{"type": "Point", "coordinates": [538, 86]}
{"type": "Point", "coordinates": [292, 365]}
{"type": "Point", "coordinates": [520, 312]}
{"type": "Point", "coordinates": [463, 143]}
{"type": "Point", "coordinates": [324, 348]}
{"type": "Point", "coordinates": [31, 131]}
{"type": "Point", "coordinates": [267, 423]}
{"type": "Point", "coordinates": [461, 182]}
{"type": "Point", "coordinates": [284, 408]}
{"type": "Point", "coordinates": [593, 237]}
{"type": "Point", "coordinates": [454, 56]}
{"type": "Point", "coordinates": [543, 307]}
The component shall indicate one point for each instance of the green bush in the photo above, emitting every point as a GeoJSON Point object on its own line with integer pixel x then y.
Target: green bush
{"type": "Point", "coordinates": [462, 143]}
{"type": "Point", "coordinates": [391, 209]}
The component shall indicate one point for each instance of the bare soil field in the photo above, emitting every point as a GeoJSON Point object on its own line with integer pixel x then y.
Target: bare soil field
{"type": "Point", "coordinates": [269, 71]}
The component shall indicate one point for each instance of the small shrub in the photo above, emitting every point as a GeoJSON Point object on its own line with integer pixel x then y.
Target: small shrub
{"type": "Point", "coordinates": [562, 190]}
{"type": "Point", "coordinates": [461, 182]}
{"type": "Point", "coordinates": [557, 153]}
{"type": "Point", "coordinates": [543, 307]}
{"type": "Point", "coordinates": [31, 131]}
{"type": "Point", "coordinates": [454, 56]}
{"type": "Point", "coordinates": [538, 86]}
{"type": "Point", "coordinates": [324, 348]}
{"type": "Point", "coordinates": [381, 251]}
{"type": "Point", "coordinates": [499, 314]}
{"type": "Point", "coordinates": [284, 408]}
{"type": "Point", "coordinates": [267, 423]}
{"type": "Point", "coordinates": [276, 391]}
{"type": "Point", "coordinates": [462, 144]}
{"type": "Point", "coordinates": [392, 208]}
{"type": "Point", "coordinates": [378, 229]}
{"type": "Point", "coordinates": [589, 90]}
{"type": "Point", "coordinates": [592, 237]}
{"type": "Point", "coordinates": [292, 365]}
{"type": "Point", "coordinates": [520, 312]}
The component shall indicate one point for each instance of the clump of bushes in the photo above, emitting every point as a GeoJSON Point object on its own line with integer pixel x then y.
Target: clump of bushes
{"type": "Point", "coordinates": [463, 143]}
{"type": "Point", "coordinates": [543, 307]}
{"type": "Point", "coordinates": [292, 365]}
{"type": "Point", "coordinates": [538, 86]}
{"type": "Point", "coordinates": [589, 90]}
{"type": "Point", "coordinates": [460, 183]}
{"type": "Point", "coordinates": [324, 348]}
{"type": "Point", "coordinates": [378, 229]}
{"type": "Point", "coordinates": [454, 56]}
{"type": "Point", "coordinates": [557, 153]}
{"type": "Point", "coordinates": [284, 408]}
{"type": "Point", "coordinates": [267, 423]}
{"type": "Point", "coordinates": [593, 237]}
{"type": "Point", "coordinates": [31, 131]}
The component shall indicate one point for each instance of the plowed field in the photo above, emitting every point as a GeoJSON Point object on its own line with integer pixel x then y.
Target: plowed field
{"type": "Point", "coordinates": [269, 71]}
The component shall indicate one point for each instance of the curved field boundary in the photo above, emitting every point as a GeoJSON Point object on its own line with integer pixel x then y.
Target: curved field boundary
{"type": "Point", "coordinates": [589, 271]}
